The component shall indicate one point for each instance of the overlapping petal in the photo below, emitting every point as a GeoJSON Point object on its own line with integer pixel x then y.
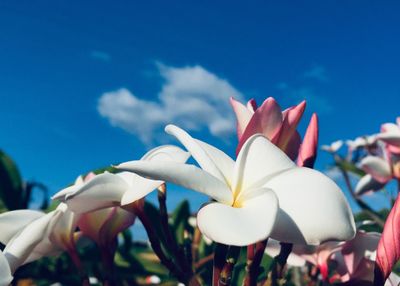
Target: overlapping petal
{"type": "Point", "coordinates": [187, 176]}
{"type": "Point", "coordinates": [266, 120]}
{"type": "Point", "coordinates": [210, 159]}
{"type": "Point", "coordinates": [257, 162]}
{"type": "Point", "coordinates": [13, 222]}
{"type": "Point", "coordinates": [23, 243]}
{"type": "Point", "coordinates": [377, 167]}
{"type": "Point", "coordinates": [239, 226]}
{"type": "Point", "coordinates": [312, 208]}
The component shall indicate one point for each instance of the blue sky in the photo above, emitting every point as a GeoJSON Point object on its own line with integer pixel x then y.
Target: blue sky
{"type": "Point", "coordinates": [60, 59]}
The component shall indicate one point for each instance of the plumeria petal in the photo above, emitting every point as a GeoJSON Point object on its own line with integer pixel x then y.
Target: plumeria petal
{"type": "Point", "coordinates": [243, 115]}
{"type": "Point", "coordinates": [251, 105]}
{"type": "Point", "coordinates": [104, 190]}
{"type": "Point", "coordinates": [368, 183]}
{"type": "Point", "coordinates": [267, 120]}
{"type": "Point", "coordinates": [22, 244]}
{"type": "Point", "coordinates": [141, 187]}
{"type": "Point", "coordinates": [377, 167]}
{"type": "Point", "coordinates": [308, 149]}
{"type": "Point", "coordinates": [187, 176]}
{"type": "Point", "coordinates": [362, 246]}
{"type": "Point", "coordinates": [166, 153]}
{"type": "Point", "coordinates": [209, 158]}
{"type": "Point", "coordinates": [239, 226]}
{"type": "Point", "coordinates": [388, 250]}
{"type": "Point", "coordinates": [291, 118]}
{"type": "Point", "coordinates": [5, 272]}
{"type": "Point", "coordinates": [104, 225]}
{"type": "Point", "coordinates": [13, 222]}
{"type": "Point", "coordinates": [119, 221]}
{"type": "Point", "coordinates": [61, 231]}
{"type": "Point", "coordinates": [257, 161]}
{"type": "Point", "coordinates": [312, 208]}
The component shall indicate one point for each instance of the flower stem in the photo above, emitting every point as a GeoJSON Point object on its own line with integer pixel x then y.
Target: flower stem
{"type": "Point", "coordinates": [171, 241]}
{"type": "Point", "coordinates": [73, 254]}
{"type": "Point", "coordinates": [367, 209]}
{"type": "Point", "coordinates": [279, 262]}
{"type": "Point", "coordinates": [254, 258]}
{"type": "Point", "coordinates": [182, 276]}
{"type": "Point", "coordinates": [225, 277]}
{"type": "Point", "coordinates": [220, 252]}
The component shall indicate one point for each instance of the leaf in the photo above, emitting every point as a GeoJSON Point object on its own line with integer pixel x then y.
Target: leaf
{"type": "Point", "coordinates": [180, 218]}
{"type": "Point", "coordinates": [11, 185]}
{"type": "Point", "coordinates": [350, 167]}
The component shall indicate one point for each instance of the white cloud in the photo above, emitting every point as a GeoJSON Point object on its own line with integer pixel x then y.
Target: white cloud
{"type": "Point", "coordinates": [316, 72]}
{"type": "Point", "coordinates": [190, 97]}
{"type": "Point", "coordinates": [101, 56]}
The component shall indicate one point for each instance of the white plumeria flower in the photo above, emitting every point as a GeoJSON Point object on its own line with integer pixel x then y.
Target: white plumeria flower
{"type": "Point", "coordinates": [108, 190]}
{"type": "Point", "coordinates": [361, 141]}
{"type": "Point", "coordinates": [5, 271]}
{"type": "Point", "coordinates": [333, 147]}
{"type": "Point", "coordinates": [390, 133]}
{"type": "Point", "coordinates": [263, 194]}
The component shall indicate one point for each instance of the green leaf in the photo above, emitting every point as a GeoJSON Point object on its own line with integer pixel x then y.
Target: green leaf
{"type": "Point", "coordinates": [179, 219]}
{"type": "Point", "coordinates": [11, 185]}
{"type": "Point", "coordinates": [350, 167]}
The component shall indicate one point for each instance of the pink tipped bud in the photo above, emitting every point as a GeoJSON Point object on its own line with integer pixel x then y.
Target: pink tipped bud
{"type": "Point", "coordinates": [308, 149]}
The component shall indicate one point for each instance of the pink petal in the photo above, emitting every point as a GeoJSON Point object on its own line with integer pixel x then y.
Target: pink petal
{"type": "Point", "coordinates": [266, 120]}
{"type": "Point", "coordinates": [388, 251]}
{"type": "Point", "coordinates": [291, 118]}
{"type": "Point", "coordinates": [243, 115]}
{"type": "Point", "coordinates": [377, 167]}
{"type": "Point", "coordinates": [308, 149]}
{"type": "Point", "coordinates": [252, 105]}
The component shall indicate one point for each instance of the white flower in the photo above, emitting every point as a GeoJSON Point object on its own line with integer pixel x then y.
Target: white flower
{"type": "Point", "coordinates": [333, 147]}
{"type": "Point", "coordinates": [263, 194]}
{"type": "Point", "coordinates": [108, 190]}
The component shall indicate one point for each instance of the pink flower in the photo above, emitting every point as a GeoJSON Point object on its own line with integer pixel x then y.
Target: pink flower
{"type": "Point", "coordinates": [390, 134]}
{"type": "Point", "coordinates": [269, 120]}
{"type": "Point", "coordinates": [388, 252]}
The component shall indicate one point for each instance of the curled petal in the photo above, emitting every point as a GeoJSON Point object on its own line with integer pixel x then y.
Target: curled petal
{"type": "Point", "coordinates": [368, 183]}
{"type": "Point", "coordinates": [141, 187]}
{"type": "Point", "coordinates": [312, 208]}
{"type": "Point", "coordinates": [377, 167]}
{"type": "Point", "coordinates": [388, 250]}
{"type": "Point", "coordinates": [210, 159]}
{"type": "Point", "coordinates": [184, 175]}
{"type": "Point", "coordinates": [104, 190]}
{"type": "Point", "coordinates": [23, 243]}
{"type": "Point", "coordinates": [13, 222]}
{"type": "Point", "coordinates": [308, 149]}
{"type": "Point", "coordinates": [62, 231]}
{"type": "Point", "coordinates": [241, 226]}
{"type": "Point", "coordinates": [267, 120]}
{"type": "Point", "coordinates": [167, 153]}
{"type": "Point", "coordinates": [257, 162]}
{"type": "Point", "coordinates": [5, 272]}
{"type": "Point", "coordinates": [243, 115]}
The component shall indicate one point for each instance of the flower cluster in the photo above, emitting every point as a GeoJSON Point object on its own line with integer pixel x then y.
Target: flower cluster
{"type": "Point", "coordinates": [267, 199]}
